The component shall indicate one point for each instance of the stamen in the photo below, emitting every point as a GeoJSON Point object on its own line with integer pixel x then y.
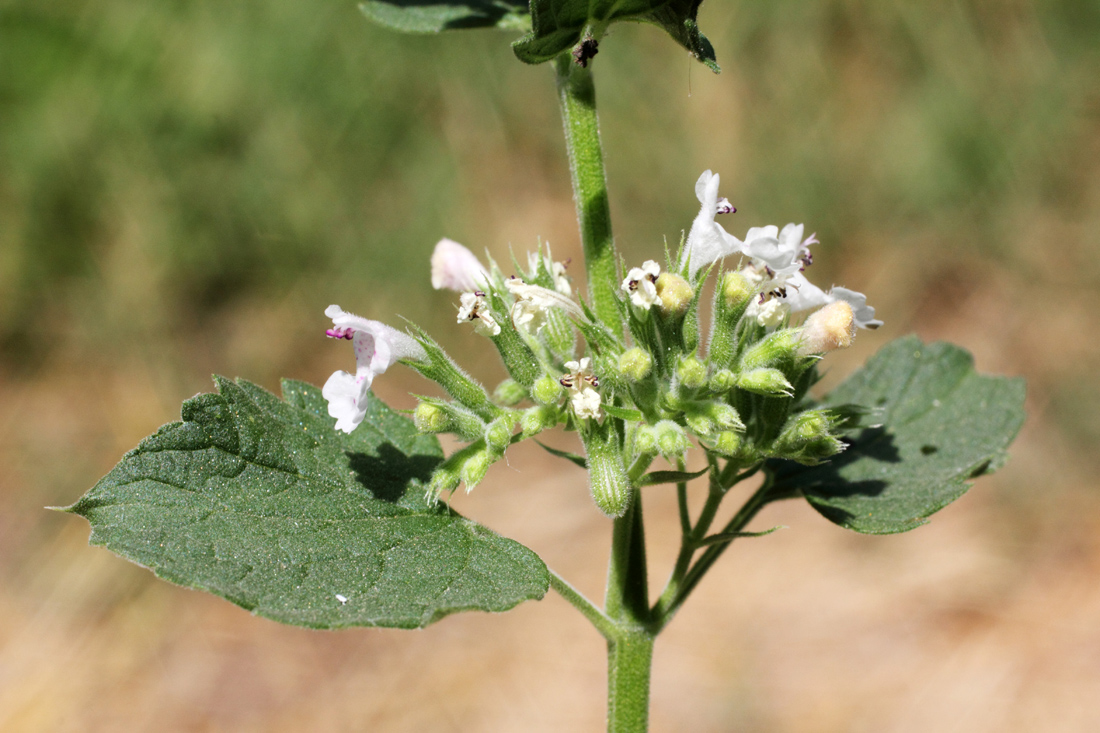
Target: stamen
{"type": "Point", "coordinates": [340, 333]}
{"type": "Point", "coordinates": [725, 207]}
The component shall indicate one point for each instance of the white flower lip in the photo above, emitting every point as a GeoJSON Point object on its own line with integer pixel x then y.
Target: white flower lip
{"type": "Point", "coordinates": [377, 348]}
{"type": "Point", "coordinates": [532, 302]}
{"type": "Point", "coordinates": [475, 307]}
{"type": "Point", "coordinates": [641, 285]}
{"type": "Point", "coordinates": [707, 241]}
{"type": "Point", "coordinates": [456, 268]}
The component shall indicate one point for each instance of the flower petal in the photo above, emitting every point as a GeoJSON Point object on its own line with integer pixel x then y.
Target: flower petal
{"type": "Point", "coordinates": [456, 268]}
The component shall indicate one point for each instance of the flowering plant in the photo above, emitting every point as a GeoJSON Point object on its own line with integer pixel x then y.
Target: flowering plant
{"type": "Point", "coordinates": [327, 509]}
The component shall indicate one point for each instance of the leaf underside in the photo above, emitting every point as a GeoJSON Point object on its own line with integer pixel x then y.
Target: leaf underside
{"type": "Point", "coordinates": [426, 16]}
{"type": "Point", "coordinates": [942, 424]}
{"type": "Point", "coordinates": [262, 502]}
{"type": "Point", "coordinates": [558, 25]}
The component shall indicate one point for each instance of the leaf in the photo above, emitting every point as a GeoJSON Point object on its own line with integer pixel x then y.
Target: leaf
{"type": "Point", "coordinates": [624, 413]}
{"type": "Point", "coordinates": [558, 25]}
{"type": "Point", "coordinates": [264, 503]}
{"type": "Point", "coordinates": [941, 425]}
{"type": "Point", "coordinates": [580, 461]}
{"type": "Point", "coordinates": [670, 477]}
{"type": "Point", "coordinates": [425, 16]}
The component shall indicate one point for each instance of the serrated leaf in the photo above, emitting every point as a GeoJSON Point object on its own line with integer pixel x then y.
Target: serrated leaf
{"type": "Point", "coordinates": [425, 16]}
{"type": "Point", "coordinates": [941, 425]}
{"type": "Point", "coordinates": [262, 502]}
{"type": "Point", "coordinates": [558, 25]}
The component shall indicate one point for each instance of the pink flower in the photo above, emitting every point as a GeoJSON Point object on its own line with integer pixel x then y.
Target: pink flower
{"type": "Point", "coordinates": [456, 268]}
{"type": "Point", "coordinates": [377, 348]}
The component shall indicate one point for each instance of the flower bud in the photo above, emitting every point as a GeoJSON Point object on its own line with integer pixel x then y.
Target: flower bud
{"type": "Point", "coordinates": [645, 441]}
{"type": "Point", "coordinates": [699, 423]}
{"type": "Point", "coordinates": [808, 438]}
{"type": "Point", "coordinates": [431, 418]}
{"type": "Point", "coordinates": [723, 381]}
{"type": "Point", "coordinates": [736, 290]}
{"type": "Point", "coordinates": [445, 478]}
{"type": "Point", "coordinates": [691, 372]}
{"type": "Point", "coordinates": [831, 328]}
{"type": "Point", "coordinates": [547, 391]}
{"type": "Point", "coordinates": [499, 434]}
{"type": "Point", "coordinates": [536, 419]}
{"type": "Point", "coordinates": [608, 482]}
{"type": "Point", "coordinates": [778, 347]}
{"type": "Point", "coordinates": [509, 392]}
{"type": "Point", "coordinates": [671, 439]}
{"type": "Point", "coordinates": [728, 443]}
{"type": "Point", "coordinates": [725, 417]}
{"type": "Point", "coordinates": [445, 417]}
{"type": "Point", "coordinates": [475, 467]}
{"type": "Point", "coordinates": [767, 382]}
{"type": "Point", "coordinates": [675, 294]}
{"type": "Point", "coordinates": [635, 364]}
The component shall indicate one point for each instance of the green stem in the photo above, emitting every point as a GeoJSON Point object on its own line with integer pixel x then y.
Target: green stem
{"type": "Point", "coordinates": [577, 96]}
{"type": "Point", "coordinates": [629, 660]}
{"type": "Point", "coordinates": [756, 502]}
{"type": "Point", "coordinates": [603, 624]}
{"type": "Point", "coordinates": [627, 582]}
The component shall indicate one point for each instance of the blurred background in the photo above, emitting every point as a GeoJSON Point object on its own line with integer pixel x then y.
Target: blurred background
{"type": "Point", "coordinates": [184, 187]}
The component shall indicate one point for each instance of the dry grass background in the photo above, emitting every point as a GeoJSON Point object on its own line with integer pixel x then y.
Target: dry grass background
{"type": "Point", "coordinates": [184, 188]}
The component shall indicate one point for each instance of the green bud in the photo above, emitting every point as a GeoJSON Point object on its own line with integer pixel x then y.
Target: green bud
{"type": "Point", "coordinates": [807, 438]}
{"type": "Point", "coordinates": [736, 290]}
{"type": "Point", "coordinates": [444, 479]}
{"type": "Point", "coordinates": [645, 441]}
{"type": "Point", "coordinates": [699, 424]}
{"type": "Point", "coordinates": [607, 477]}
{"type": "Point", "coordinates": [675, 293]}
{"type": "Point", "coordinates": [499, 434]}
{"type": "Point", "coordinates": [723, 381]}
{"type": "Point", "coordinates": [691, 372]}
{"type": "Point", "coordinates": [431, 418]}
{"type": "Point", "coordinates": [727, 443]}
{"type": "Point", "coordinates": [635, 364]}
{"type": "Point", "coordinates": [725, 417]}
{"type": "Point", "coordinates": [509, 392]}
{"type": "Point", "coordinates": [547, 391]}
{"type": "Point", "coordinates": [475, 467]}
{"type": "Point", "coordinates": [536, 419]}
{"type": "Point", "coordinates": [781, 346]}
{"type": "Point", "coordinates": [767, 382]}
{"type": "Point", "coordinates": [671, 439]}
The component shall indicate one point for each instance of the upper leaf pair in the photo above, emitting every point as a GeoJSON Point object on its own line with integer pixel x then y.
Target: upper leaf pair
{"type": "Point", "coordinates": [553, 26]}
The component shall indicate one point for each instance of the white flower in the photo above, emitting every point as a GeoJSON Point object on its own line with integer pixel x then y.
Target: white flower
{"type": "Point", "coordinates": [475, 307]}
{"type": "Point", "coordinates": [864, 314]}
{"type": "Point", "coordinates": [586, 403]}
{"type": "Point", "coordinates": [556, 270]}
{"type": "Point", "coordinates": [532, 302]}
{"type": "Point", "coordinates": [782, 252]}
{"type": "Point", "coordinates": [456, 268]}
{"type": "Point", "coordinates": [581, 383]}
{"type": "Point", "coordinates": [707, 241]}
{"type": "Point", "coordinates": [768, 311]}
{"type": "Point", "coordinates": [377, 348]}
{"type": "Point", "coordinates": [641, 285]}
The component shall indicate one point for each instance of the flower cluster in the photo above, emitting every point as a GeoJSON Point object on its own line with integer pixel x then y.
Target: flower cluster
{"type": "Point", "coordinates": [644, 386]}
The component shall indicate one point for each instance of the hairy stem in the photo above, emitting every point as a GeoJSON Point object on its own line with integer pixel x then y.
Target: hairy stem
{"type": "Point", "coordinates": [577, 97]}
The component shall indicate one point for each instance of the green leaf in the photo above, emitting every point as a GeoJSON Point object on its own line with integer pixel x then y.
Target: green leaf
{"type": "Point", "coordinates": [941, 425]}
{"type": "Point", "coordinates": [425, 16]}
{"type": "Point", "coordinates": [558, 25]}
{"type": "Point", "coordinates": [670, 477]}
{"type": "Point", "coordinates": [573, 458]}
{"type": "Point", "coordinates": [262, 502]}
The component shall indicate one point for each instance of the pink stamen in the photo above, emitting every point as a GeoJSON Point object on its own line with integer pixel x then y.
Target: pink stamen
{"type": "Point", "coordinates": [340, 333]}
